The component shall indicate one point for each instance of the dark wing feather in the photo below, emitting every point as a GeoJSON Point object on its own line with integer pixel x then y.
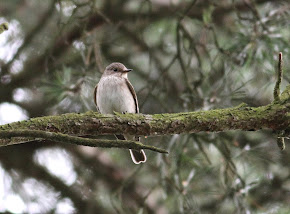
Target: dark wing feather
{"type": "Point", "coordinates": [95, 97]}
{"type": "Point", "coordinates": [134, 95]}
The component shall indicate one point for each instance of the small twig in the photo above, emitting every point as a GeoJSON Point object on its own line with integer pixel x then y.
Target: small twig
{"type": "Point", "coordinates": [280, 139]}
{"type": "Point", "coordinates": [251, 5]}
{"type": "Point", "coordinates": [202, 149]}
{"type": "Point", "coordinates": [63, 138]}
{"type": "Point", "coordinates": [279, 79]}
{"type": "Point", "coordinates": [98, 57]}
{"type": "Point", "coordinates": [178, 42]}
{"type": "Point", "coordinates": [216, 42]}
{"type": "Point", "coordinates": [3, 27]}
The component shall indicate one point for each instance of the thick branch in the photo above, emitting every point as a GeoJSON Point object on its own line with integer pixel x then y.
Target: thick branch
{"type": "Point", "coordinates": [274, 116]}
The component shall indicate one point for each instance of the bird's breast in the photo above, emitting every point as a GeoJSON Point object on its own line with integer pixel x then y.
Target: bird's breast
{"type": "Point", "coordinates": [113, 94]}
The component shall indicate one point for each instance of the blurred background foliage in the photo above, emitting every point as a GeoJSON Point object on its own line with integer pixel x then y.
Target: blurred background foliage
{"type": "Point", "coordinates": [187, 56]}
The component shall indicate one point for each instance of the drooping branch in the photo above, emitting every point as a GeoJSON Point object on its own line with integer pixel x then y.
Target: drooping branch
{"type": "Point", "coordinates": [25, 135]}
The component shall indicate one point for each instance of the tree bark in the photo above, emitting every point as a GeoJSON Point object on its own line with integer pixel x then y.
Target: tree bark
{"type": "Point", "coordinates": [275, 116]}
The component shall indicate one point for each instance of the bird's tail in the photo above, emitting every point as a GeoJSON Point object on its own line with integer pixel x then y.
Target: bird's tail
{"type": "Point", "coordinates": [138, 156]}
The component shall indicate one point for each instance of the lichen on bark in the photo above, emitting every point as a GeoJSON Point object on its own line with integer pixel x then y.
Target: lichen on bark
{"type": "Point", "coordinates": [274, 116]}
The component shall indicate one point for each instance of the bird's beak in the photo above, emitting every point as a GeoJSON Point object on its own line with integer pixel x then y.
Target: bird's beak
{"type": "Point", "coordinates": [127, 70]}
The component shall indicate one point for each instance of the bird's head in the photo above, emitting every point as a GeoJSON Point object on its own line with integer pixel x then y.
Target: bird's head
{"type": "Point", "coordinates": [117, 69]}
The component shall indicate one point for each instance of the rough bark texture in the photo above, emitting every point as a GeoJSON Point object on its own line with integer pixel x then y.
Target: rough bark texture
{"type": "Point", "coordinates": [275, 116]}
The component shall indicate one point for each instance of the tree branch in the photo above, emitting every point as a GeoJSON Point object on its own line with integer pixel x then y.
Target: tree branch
{"type": "Point", "coordinates": [274, 116]}
{"type": "Point", "coordinates": [27, 135]}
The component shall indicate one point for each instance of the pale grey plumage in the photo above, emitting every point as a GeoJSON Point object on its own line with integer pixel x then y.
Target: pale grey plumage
{"type": "Point", "coordinates": [114, 92]}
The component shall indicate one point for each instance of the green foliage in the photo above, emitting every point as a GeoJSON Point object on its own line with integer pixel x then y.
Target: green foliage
{"type": "Point", "coordinates": [61, 86]}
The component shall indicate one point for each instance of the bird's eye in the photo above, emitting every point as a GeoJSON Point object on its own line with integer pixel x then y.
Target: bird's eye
{"type": "Point", "coordinates": [115, 69]}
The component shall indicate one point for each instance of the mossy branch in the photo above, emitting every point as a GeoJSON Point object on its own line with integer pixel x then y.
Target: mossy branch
{"type": "Point", "coordinates": [275, 116]}
{"type": "Point", "coordinates": [25, 135]}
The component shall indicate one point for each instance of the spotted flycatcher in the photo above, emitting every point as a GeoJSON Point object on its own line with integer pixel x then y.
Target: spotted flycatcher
{"type": "Point", "coordinates": [114, 92]}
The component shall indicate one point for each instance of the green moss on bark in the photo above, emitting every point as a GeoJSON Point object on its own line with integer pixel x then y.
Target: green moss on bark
{"type": "Point", "coordinates": [275, 116]}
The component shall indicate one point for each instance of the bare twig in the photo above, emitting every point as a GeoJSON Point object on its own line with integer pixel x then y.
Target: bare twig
{"type": "Point", "coordinates": [280, 139]}
{"type": "Point", "coordinates": [98, 57]}
{"type": "Point", "coordinates": [279, 78]}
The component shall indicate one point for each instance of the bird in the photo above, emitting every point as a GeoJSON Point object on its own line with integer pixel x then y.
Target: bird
{"type": "Point", "coordinates": [115, 93]}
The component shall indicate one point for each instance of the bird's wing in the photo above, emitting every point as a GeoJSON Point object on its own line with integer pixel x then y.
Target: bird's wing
{"type": "Point", "coordinates": [95, 97]}
{"type": "Point", "coordinates": [133, 94]}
